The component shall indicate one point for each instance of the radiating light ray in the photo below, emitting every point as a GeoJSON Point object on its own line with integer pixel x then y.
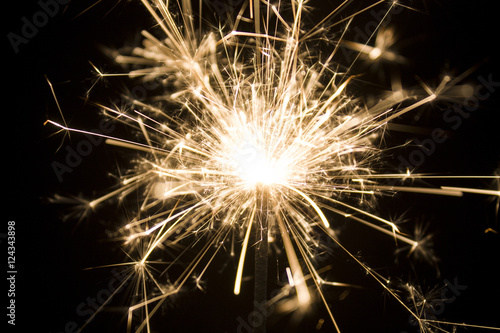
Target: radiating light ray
{"type": "Point", "coordinates": [472, 190]}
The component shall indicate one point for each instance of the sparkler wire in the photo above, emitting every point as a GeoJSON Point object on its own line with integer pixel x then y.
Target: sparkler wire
{"type": "Point", "coordinates": [261, 256]}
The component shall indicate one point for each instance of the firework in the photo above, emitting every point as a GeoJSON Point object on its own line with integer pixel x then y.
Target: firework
{"type": "Point", "coordinates": [255, 139]}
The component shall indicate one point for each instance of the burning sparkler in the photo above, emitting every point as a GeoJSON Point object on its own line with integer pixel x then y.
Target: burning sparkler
{"type": "Point", "coordinates": [255, 140]}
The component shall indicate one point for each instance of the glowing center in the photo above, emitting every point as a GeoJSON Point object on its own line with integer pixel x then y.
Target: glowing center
{"type": "Point", "coordinates": [254, 166]}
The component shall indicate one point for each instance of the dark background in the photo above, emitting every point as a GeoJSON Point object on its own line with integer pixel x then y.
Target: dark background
{"type": "Point", "coordinates": [51, 254]}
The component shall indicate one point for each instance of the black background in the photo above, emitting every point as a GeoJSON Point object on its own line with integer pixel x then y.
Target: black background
{"type": "Point", "coordinates": [51, 254]}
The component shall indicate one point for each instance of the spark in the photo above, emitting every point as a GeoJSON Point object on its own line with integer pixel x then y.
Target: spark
{"type": "Point", "coordinates": [254, 114]}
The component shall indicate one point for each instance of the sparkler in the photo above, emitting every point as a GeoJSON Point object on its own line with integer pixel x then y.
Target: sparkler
{"type": "Point", "coordinates": [255, 134]}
